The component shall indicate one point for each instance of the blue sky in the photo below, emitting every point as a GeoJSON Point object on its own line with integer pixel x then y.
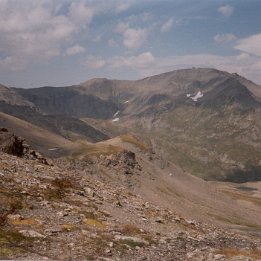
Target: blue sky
{"type": "Point", "coordinates": [63, 42]}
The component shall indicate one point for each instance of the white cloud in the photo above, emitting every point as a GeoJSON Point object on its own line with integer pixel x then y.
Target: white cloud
{"type": "Point", "coordinates": [121, 27]}
{"type": "Point", "coordinates": [94, 62]}
{"type": "Point", "coordinates": [146, 17]}
{"type": "Point", "coordinates": [112, 43]}
{"type": "Point", "coordinates": [80, 13]}
{"type": "Point", "coordinates": [224, 38]}
{"type": "Point", "coordinates": [146, 64]}
{"type": "Point", "coordinates": [226, 10]}
{"type": "Point", "coordinates": [250, 45]}
{"type": "Point", "coordinates": [134, 38]}
{"type": "Point", "coordinates": [136, 62]}
{"type": "Point", "coordinates": [141, 61]}
{"type": "Point", "coordinates": [12, 64]}
{"type": "Point", "coordinates": [243, 64]}
{"type": "Point", "coordinates": [36, 31]}
{"type": "Point", "coordinates": [97, 38]}
{"type": "Point", "coordinates": [75, 50]}
{"type": "Point", "coordinates": [140, 18]}
{"type": "Point", "coordinates": [123, 6]}
{"type": "Point", "coordinates": [32, 32]}
{"type": "Point", "coordinates": [167, 25]}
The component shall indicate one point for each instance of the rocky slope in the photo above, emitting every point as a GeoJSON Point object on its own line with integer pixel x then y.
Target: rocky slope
{"type": "Point", "coordinates": [52, 213]}
{"type": "Point", "coordinates": [14, 145]}
{"type": "Point", "coordinates": [132, 197]}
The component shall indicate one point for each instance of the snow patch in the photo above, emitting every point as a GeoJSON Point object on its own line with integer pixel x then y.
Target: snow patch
{"type": "Point", "coordinates": [197, 96]}
{"type": "Point", "coordinates": [126, 101]}
{"type": "Point", "coordinates": [116, 119]}
{"type": "Point", "coordinates": [53, 149]}
{"type": "Point", "coordinates": [116, 113]}
{"type": "Point", "coordinates": [188, 95]}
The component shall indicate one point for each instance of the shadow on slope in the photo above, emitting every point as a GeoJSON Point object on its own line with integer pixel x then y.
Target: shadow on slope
{"type": "Point", "coordinates": [251, 173]}
{"type": "Point", "coordinates": [63, 125]}
{"type": "Point", "coordinates": [68, 101]}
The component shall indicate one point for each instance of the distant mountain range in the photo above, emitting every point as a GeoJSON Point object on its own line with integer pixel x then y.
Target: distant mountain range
{"type": "Point", "coordinates": [207, 122]}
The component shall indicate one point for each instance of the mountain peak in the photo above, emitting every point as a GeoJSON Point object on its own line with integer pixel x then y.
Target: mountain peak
{"type": "Point", "coordinates": [94, 81]}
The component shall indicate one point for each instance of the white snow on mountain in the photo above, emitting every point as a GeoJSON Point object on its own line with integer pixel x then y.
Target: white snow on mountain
{"type": "Point", "coordinates": [197, 96]}
{"type": "Point", "coordinates": [116, 113]}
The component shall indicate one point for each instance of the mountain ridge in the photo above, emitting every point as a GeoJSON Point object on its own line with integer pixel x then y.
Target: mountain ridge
{"type": "Point", "coordinates": [223, 103]}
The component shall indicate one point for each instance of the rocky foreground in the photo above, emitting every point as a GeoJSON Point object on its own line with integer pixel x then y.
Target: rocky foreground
{"type": "Point", "coordinates": [50, 213]}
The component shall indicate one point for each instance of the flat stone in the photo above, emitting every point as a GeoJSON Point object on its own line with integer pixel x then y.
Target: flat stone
{"type": "Point", "coordinates": [159, 220]}
{"type": "Point", "coordinates": [134, 239]}
{"type": "Point", "coordinates": [14, 217]}
{"type": "Point", "coordinates": [30, 233]}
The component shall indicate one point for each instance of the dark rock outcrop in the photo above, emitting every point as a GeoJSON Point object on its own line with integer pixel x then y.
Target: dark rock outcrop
{"type": "Point", "coordinates": [14, 145]}
{"type": "Point", "coordinates": [124, 161]}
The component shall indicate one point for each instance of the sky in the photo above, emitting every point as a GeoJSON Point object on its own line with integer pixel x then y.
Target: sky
{"type": "Point", "coordinates": [65, 42]}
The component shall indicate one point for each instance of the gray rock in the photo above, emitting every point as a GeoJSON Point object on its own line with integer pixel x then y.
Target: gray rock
{"type": "Point", "coordinates": [31, 233]}
{"type": "Point", "coordinates": [134, 239]}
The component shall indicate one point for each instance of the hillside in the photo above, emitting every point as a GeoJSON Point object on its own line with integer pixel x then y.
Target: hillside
{"type": "Point", "coordinates": [11, 97]}
{"type": "Point", "coordinates": [42, 140]}
{"type": "Point", "coordinates": [68, 101]}
{"type": "Point", "coordinates": [60, 125]}
{"type": "Point", "coordinates": [131, 170]}
{"type": "Point", "coordinates": [205, 121]}
{"type": "Point", "coordinates": [129, 161]}
{"type": "Point", "coordinates": [112, 206]}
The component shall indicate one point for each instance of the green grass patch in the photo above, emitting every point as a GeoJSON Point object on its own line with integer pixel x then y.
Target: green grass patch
{"type": "Point", "coordinates": [131, 243]}
{"type": "Point", "coordinates": [131, 139]}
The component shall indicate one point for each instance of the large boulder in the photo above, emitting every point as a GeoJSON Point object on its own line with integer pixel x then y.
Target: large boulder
{"type": "Point", "coordinates": [14, 145]}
